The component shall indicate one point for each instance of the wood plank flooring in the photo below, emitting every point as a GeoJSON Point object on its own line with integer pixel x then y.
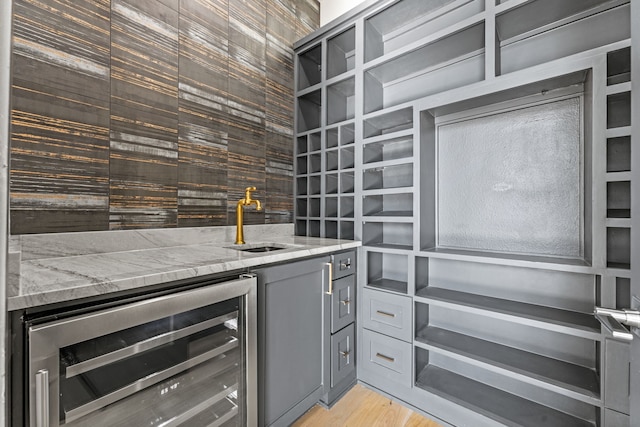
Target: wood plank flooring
{"type": "Point", "coordinates": [362, 407]}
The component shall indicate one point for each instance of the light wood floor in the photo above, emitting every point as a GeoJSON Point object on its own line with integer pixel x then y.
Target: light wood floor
{"type": "Point", "coordinates": [361, 407]}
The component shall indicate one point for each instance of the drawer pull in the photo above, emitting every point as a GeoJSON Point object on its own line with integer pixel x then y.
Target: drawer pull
{"type": "Point", "coordinates": [384, 313]}
{"type": "Point", "coordinates": [330, 292]}
{"type": "Point", "coordinates": [345, 264]}
{"type": "Point", "coordinates": [345, 354]}
{"type": "Point", "coordinates": [387, 358]}
{"type": "Point", "coordinates": [345, 302]}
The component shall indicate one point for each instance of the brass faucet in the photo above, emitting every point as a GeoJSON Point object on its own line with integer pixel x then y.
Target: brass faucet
{"type": "Point", "coordinates": [247, 201]}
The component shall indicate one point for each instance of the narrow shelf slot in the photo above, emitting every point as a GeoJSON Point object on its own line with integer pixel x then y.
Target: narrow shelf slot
{"type": "Point", "coordinates": [315, 141]}
{"type": "Point", "coordinates": [309, 111]}
{"type": "Point", "coordinates": [314, 228]}
{"type": "Point", "coordinates": [332, 137]}
{"type": "Point", "coordinates": [347, 134]}
{"type": "Point", "coordinates": [347, 230]}
{"type": "Point", "coordinates": [302, 165]}
{"type": "Point", "coordinates": [619, 66]}
{"type": "Point", "coordinates": [579, 379]}
{"type": "Point", "coordinates": [315, 185]}
{"type": "Point", "coordinates": [331, 207]}
{"type": "Point", "coordinates": [314, 207]}
{"type": "Point", "coordinates": [347, 184]}
{"type": "Point", "coordinates": [387, 271]}
{"type": "Point", "coordinates": [341, 53]}
{"type": "Point", "coordinates": [331, 229]}
{"type": "Point", "coordinates": [347, 158]}
{"type": "Point", "coordinates": [619, 248]}
{"type": "Point", "coordinates": [310, 67]}
{"type": "Point", "coordinates": [492, 402]}
{"type": "Point", "coordinates": [301, 207]}
{"type": "Point", "coordinates": [301, 227]}
{"type": "Point", "coordinates": [570, 322]}
{"type": "Point", "coordinates": [341, 101]}
{"type": "Point", "coordinates": [393, 205]}
{"type": "Point", "coordinates": [619, 154]}
{"type": "Point", "coordinates": [331, 183]}
{"type": "Point", "coordinates": [347, 209]}
{"type": "Point", "coordinates": [619, 199]}
{"type": "Point", "coordinates": [619, 110]}
{"type": "Point", "coordinates": [331, 160]}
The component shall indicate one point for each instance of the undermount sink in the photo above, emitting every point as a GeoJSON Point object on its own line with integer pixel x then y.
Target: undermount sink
{"type": "Point", "coordinates": [260, 247]}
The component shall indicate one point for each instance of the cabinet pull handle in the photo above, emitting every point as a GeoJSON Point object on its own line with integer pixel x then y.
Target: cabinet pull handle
{"type": "Point", "coordinates": [330, 292]}
{"type": "Point", "coordinates": [345, 302]}
{"type": "Point", "coordinates": [346, 264]}
{"type": "Point", "coordinates": [384, 313]}
{"type": "Point", "coordinates": [387, 358]}
{"type": "Point", "coordinates": [42, 398]}
{"type": "Point", "coordinates": [345, 354]}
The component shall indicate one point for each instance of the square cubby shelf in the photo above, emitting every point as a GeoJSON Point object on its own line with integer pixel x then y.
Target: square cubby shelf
{"type": "Point", "coordinates": [387, 271]}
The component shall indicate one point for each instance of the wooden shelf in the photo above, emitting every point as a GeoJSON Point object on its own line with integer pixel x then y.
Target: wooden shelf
{"type": "Point", "coordinates": [497, 404]}
{"type": "Point", "coordinates": [555, 375]}
{"type": "Point", "coordinates": [563, 321]}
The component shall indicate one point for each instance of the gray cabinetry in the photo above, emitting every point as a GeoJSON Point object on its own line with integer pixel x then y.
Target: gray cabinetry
{"type": "Point", "coordinates": [487, 173]}
{"type": "Point", "coordinates": [291, 332]}
{"type": "Point", "coordinates": [340, 336]}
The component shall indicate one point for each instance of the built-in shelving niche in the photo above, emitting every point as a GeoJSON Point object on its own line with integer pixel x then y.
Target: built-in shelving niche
{"type": "Point", "coordinates": [341, 51]}
{"type": "Point", "coordinates": [453, 168]}
{"type": "Point", "coordinates": [387, 271]}
{"type": "Point", "coordinates": [544, 30]}
{"type": "Point", "coordinates": [480, 326]}
{"type": "Point", "coordinates": [454, 60]}
{"type": "Point", "coordinates": [310, 67]}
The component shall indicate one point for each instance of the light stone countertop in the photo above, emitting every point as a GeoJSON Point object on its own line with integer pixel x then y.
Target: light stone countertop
{"type": "Point", "coordinates": [54, 268]}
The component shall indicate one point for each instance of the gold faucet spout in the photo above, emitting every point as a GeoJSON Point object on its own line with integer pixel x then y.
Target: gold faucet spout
{"type": "Point", "coordinates": [247, 201]}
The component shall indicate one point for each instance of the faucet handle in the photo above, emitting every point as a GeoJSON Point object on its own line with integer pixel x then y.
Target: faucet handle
{"type": "Point", "coordinates": [250, 189]}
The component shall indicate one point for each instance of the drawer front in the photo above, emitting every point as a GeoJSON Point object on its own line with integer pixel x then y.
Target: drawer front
{"type": "Point", "coordinates": [343, 303]}
{"type": "Point", "coordinates": [387, 357]}
{"type": "Point", "coordinates": [344, 264]}
{"type": "Point", "coordinates": [387, 313]}
{"type": "Point", "coordinates": [343, 355]}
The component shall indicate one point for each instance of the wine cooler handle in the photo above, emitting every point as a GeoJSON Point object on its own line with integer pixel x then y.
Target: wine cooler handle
{"type": "Point", "coordinates": [42, 398]}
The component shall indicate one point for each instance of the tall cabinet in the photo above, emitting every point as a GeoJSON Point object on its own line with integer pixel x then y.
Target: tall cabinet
{"type": "Point", "coordinates": [480, 149]}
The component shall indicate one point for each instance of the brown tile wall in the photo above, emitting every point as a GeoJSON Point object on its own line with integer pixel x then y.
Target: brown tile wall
{"type": "Point", "coordinates": [152, 113]}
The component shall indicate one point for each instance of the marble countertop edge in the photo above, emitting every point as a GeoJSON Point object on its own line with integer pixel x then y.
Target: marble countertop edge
{"type": "Point", "coordinates": [72, 278]}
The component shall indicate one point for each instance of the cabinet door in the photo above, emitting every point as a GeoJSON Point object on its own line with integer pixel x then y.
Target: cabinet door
{"type": "Point", "coordinates": [343, 357]}
{"type": "Point", "coordinates": [290, 354]}
{"type": "Point", "coordinates": [343, 303]}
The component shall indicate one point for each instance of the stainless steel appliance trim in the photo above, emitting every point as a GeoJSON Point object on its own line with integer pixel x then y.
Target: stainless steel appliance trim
{"type": "Point", "coordinates": [148, 344]}
{"type": "Point", "coordinates": [46, 339]}
{"type": "Point", "coordinates": [148, 381]}
{"type": "Point", "coordinates": [226, 417]}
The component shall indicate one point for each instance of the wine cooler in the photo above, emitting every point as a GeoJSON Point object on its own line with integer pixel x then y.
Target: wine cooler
{"type": "Point", "coordinates": [179, 359]}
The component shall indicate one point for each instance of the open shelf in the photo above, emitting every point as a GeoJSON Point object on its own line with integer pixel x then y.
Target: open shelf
{"type": "Point", "coordinates": [619, 248]}
{"type": "Point", "coordinates": [331, 160]}
{"type": "Point", "coordinates": [314, 207]}
{"type": "Point", "coordinates": [309, 111]}
{"type": "Point", "coordinates": [619, 66]}
{"type": "Point", "coordinates": [331, 183]}
{"type": "Point", "coordinates": [619, 199]}
{"type": "Point", "coordinates": [545, 371]}
{"type": "Point", "coordinates": [347, 159]}
{"type": "Point", "coordinates": [544, 30]}
{"type": "Point", "coordinates": [619, 154]}
{"type": "Point", "coordinates": [393, 176]}
{"type": "Point", "coordinates": [494, 403]}
{"type": "Point", "coordinates": [388, 235]}
{"type": "Point", "coordinates": [454, 60]}
{"type": "Point", "coordinates": [394, 121]}
{"type": "Point", "coordinates": [387, 271]}
{"type": "Point", "coordinates": [347, 208]}
{"type": "Point", "coordinates": [619, 110]}
{"type": "Point", "coordinates": [392, 205]}
{"type": "Point", "coordinates": [407, 21]}
{"type": "Point", "coordinates": [347, 184]}
{"type": "Point", "coordinates": [347, 230]}
{"type": "Point", "coordinates": [301, 207]}
{"type": "Point", "coordinates": [331, 229]}
{"type": "Point", "coordinates": [341, 53]}
{"type": "Point", "coordinates": [564, 321]}
{"type": "Point", "coordinates": [331, 207]}
{"type": "Point", "coordinates": [341, 101]}
{"type": "Point", "coordinates": [310, 67]}
{"type": "Point", "coordinates": [388, 149]}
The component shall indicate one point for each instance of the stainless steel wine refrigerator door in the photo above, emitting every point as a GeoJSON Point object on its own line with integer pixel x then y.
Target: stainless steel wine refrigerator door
{"type": "Point", "coordinates": [184, 359]}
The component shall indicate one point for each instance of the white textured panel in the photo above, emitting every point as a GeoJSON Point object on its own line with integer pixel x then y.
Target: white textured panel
{"type": "Point", "coordinates": [511, 181]}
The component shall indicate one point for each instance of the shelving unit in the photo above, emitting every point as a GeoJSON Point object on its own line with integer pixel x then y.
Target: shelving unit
{"type": "Point", "coordinates": [480, 150]}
